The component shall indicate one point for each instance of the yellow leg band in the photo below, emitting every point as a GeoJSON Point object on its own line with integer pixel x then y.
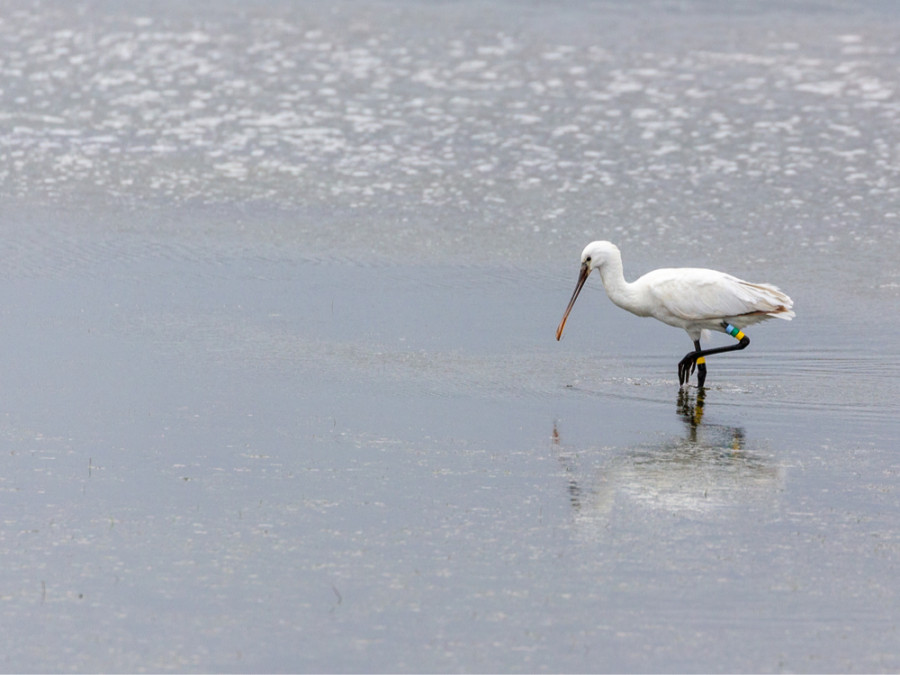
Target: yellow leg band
{"type": "Point", "coordinates": [739, 336]}
{"type": "Point", "coordinates": [701, 360]}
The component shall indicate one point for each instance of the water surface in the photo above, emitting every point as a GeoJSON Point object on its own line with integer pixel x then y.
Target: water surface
{"type": "Point", "coordinates": [280, 389]}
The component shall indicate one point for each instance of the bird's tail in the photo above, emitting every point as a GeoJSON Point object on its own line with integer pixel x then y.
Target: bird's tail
{"type": "Point", "coordinates": [774, 301]}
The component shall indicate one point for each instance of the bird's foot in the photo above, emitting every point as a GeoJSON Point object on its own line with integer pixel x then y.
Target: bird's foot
{"type": "Point", "coordinates": [686, 369]}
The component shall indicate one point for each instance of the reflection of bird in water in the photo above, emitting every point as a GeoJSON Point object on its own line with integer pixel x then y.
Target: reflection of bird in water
{"type": "Point", "coordinates": [690, 407]}
{"type": "Point", "coordinates": [574, 488]}
{"type": "Point", "coordinates": [696, 475]}
{"type": "Point", "coordinates": [694, 299]}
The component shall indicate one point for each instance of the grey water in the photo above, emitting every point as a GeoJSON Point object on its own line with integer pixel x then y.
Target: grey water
{"type": "Point", "coordinates": [279, 388]}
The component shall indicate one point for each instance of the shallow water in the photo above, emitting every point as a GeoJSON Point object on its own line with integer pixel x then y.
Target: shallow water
{"type": "Point", "coordinates": [280, 384]}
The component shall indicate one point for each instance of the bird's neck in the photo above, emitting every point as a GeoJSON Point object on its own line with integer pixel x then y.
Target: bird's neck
{"type": "Point", "coordinates": [619, 291]}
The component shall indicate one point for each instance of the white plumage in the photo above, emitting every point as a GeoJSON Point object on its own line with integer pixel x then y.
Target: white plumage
{"type": "Point", "coordinates": [694, 299]}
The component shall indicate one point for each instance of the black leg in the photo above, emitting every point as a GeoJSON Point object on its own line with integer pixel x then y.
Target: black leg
{"type": "Point", "coordinates": [686, 365]}
{"type": "Point", "coordinates": [701, 366]}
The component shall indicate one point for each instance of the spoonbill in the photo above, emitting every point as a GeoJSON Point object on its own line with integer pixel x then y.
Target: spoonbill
{"type": "Point", "coordinates": [694, 299]}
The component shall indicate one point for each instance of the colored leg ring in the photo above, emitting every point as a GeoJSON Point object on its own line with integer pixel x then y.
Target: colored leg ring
{"type": "Point", "coordinates": [734, 332]}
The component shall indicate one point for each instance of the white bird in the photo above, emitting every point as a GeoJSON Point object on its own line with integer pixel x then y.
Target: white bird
{"type": "Point", "coordinates": [694, 299]}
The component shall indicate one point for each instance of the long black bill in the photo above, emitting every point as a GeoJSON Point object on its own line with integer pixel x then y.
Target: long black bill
{"type": "Point", "coordinates": [582, 277]}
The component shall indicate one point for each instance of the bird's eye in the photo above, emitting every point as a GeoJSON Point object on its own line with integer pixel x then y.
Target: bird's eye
{"type": "Point", "coordinates": [588, 259]}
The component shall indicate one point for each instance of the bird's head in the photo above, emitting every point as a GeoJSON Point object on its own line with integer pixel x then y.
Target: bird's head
{"type": "Point", "coordinates": [594, 255]}
{"type": "Point", "coordinates": [597, 253]}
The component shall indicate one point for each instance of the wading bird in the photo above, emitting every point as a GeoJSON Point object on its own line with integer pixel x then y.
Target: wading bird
{"type": "Point", "coordinates": [690, 298]}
